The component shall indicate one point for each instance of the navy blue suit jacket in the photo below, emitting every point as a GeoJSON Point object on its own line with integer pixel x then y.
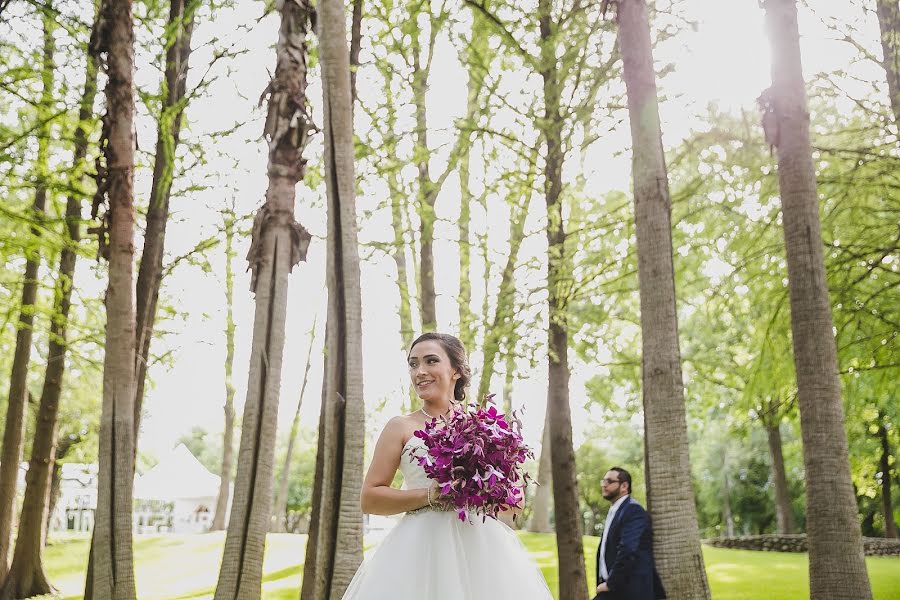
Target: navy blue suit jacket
{"type": "Point", "coordinates": [629, 556]}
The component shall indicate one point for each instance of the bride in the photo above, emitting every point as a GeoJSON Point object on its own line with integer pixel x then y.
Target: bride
{"type": "Point", "coordinates": [431, 554]}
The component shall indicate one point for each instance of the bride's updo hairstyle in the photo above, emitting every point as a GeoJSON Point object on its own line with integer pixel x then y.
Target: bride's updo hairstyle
{"type": "Point", "coordinates": [457, 354]}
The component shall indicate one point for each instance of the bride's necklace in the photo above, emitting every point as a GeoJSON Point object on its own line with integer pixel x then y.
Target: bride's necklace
{"type": "Point", "coordinates": [425, 412]}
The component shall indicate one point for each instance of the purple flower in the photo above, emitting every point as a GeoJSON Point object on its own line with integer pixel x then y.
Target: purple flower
{"type": "Point", "coordinates": [476, 457]}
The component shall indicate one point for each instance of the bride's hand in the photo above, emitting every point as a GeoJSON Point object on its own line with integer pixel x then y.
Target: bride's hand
{"type": "Point", "coordinates": [437, 498]}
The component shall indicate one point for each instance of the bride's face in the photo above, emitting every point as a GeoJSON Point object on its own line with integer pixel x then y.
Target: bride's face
{"type": "Point", "coordinates": [430, 371]}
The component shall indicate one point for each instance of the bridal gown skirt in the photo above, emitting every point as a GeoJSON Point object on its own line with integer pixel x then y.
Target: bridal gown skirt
{"type": "Point", "coordinates": [432, 555]}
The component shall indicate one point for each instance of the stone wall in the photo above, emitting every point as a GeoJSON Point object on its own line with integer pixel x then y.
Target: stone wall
{"type": "Point", "coordinates": [797, 543]}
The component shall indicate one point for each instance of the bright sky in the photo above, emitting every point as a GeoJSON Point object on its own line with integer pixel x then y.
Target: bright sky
{"type": "Point", "coordinates": [725, 60]}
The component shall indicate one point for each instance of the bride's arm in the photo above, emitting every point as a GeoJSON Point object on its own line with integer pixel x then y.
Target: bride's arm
{"type": "Point", "coordinates": [378, 497]}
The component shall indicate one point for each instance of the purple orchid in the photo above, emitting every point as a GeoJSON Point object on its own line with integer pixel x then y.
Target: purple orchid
{"type": "Point", "coordinates": [476, 457]}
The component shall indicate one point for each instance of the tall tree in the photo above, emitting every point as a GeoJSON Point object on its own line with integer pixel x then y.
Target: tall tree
{"type": "Point", "coordinates": [399, 216]}
{"type": "Point", "coordinates": [228, 230]}
{"type": "Point", "coordinates": [279, 508]}
{"type": "Point", "coordinates": [888, 13]}
{"type": "Point", "coordinates": [111, 565]}
{"type": "Point", "coordinates": [420, 57]}
{"type": "Point", "coordinates": [676, 542]}
{"type": "Point", "coordinates": [174, 100]}
{"type": "Point", "coordinates": [14, 428]}
{"type": "Point", "coordinates": [561, 62]}
{"type": "Point", "coordinates": [836, 564]}
{"type": "Point", "coordinates": [334, 549]}
{"type": "Point", "coordinates": [26, 577]}
{"type": "Point", "coordinates": [278, 243]}
{"type": "Point", "coordinates": [428, 190]}
{"type": "Point", "coordinates": [540, 513]}
{"type": "Point", "coordinates": [784, 514]}
{"type": "Point", "coordinates": [887, 468]}
{"type": "Point", "coordinates": [572, 576]}
{"type": "Point", "coordinates": [478, 58]}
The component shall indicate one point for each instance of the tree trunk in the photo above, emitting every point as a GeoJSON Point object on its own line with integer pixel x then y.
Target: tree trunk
{"type": "Point", "coordinates": [890, 527]}
{"type": "Point", "coordinates": [509, 372]}
{"type": "Point", "coordinates": [112, 563]}
{"type": "Point", "coordinates": [783, 511]}
{"type": "Point", "coordinates": [427, 191]}
{"type": "Point", "coordinates": [677, 536]}
{"type": "Point", "coordinates": [174, 89]}
{"type": "Point", "coordinates": [279, 512]}
{"type": "Point", "coordinates": [26, 577]}
{"type": "Point", "coordinates": [334, 550]}
{"type": "Point", "coordinates": [836, 565]}
{"type": "Point", "coordinates": [540, 515]}
{"type": "Point", "coordinates": [400, 225]}
{"type": "Point", "coordinates": [889, 21]}
{"type": "Point", "coordinates": [479, 47]}
{"type": "Point", "coordinates": [11, 454]}
{"type": "Point", "coordinates": [399, 255]}
{"type": "Point", "coordinates": [219, 519]}
{"type": "Point", "coordinates": [727, 516]}
{"type": "Point", "coordinates": [590, 524]}
{"type": "Point", "coordinates": [464, 300]}
{"type": "Point", "coordinates": [569, 544]}
{"type": "Point", "coordinates": [63, 445]}
{"type": "Point", "coordinates": [278, 243]}
{"type": "Point", "coordinates": [355, 46]}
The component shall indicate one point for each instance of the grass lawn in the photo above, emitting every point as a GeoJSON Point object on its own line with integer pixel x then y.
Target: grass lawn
{"type": "Point", "coordinates": [176, 567]}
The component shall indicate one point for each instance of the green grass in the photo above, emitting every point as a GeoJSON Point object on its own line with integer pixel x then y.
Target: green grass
{"type": "Point", "coordinates": [185, 567]}
{"type": "Point", "coordinates": [746, 575]}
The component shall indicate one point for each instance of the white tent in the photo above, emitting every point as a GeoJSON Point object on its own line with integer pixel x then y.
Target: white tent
{"type": "Point", "coordinates": [180, 479]}
{"type": "Point", "coordinates": [176, 476]}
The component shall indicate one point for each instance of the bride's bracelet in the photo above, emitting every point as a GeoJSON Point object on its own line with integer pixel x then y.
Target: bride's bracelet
{"type": "Point", "coordinates": [428, 495]}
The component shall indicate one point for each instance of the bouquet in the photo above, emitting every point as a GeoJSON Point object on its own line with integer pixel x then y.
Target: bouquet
{"type": "Point", "coordinates": [476, 457]}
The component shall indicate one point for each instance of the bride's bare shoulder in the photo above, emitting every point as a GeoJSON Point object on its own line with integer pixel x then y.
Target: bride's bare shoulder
{"type": "Point", "coordinates": [402, 426]}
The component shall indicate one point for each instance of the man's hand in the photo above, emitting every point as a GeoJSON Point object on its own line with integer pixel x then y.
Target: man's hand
{"type": "Point", "coordinates": [602, 588]}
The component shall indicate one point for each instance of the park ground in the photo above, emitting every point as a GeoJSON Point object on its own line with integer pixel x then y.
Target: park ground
{"type": "Point", "coordinates": [185, 567]}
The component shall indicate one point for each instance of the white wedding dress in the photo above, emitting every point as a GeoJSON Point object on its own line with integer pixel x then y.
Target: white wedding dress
{"type": "Point", "coordinates": [432, 555]}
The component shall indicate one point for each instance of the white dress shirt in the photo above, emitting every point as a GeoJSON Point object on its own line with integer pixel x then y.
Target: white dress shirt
{"type": "Point", "coordinates": [604, 571]}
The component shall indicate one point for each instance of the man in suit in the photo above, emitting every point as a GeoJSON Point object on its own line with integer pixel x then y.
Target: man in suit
{"type": "Point", "coordinates": [625, 569]}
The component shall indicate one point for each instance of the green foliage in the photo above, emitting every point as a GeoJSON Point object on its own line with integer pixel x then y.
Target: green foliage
{"type": "Point", "coordinates": [303, 467]}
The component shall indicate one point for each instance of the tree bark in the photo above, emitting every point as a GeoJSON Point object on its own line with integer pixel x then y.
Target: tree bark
{"type": "Point", "coordinates": [727, 515]}
{"type": "Point", "coordinates": [334, 550]}
{"type": "Point", "coordinates": [278, 243]}
{"type": "Point", "coordinates": [479, 48]}
{"type": "Point", "coordinates": [676, 532]}
{"type": "Point", "coordinates": [509, 373]}
{"type": "Point", "coordinates": [540, 514]}
{"type": "Point", "coordinates": [836, 565]}
{"type": "Point", "coordinates": [572, 576]}
{"type": "Point", "coordinates": [427, 191]}
{"type": "Point", "coordinates": [112, 563]}
{"type": "Point", "coordinates": [890, 526]}
{"type": "Point", "coordinates": [279, 524]}
{"type": "Point", "coordinates": [783, 511]}
{"type": "Point", "coordinates": [14, 428]}
{"type": "Point", "coordinates": [178, 51]}
{"type": "Point", "coordinates": [400, 226]}
{"type": "Point", "coordinates": [27, 577]}
{"type": "Point", "coordinates": [889, 22]}
{"type": "Point", "coordinates": [355, 46]}
{"type": "Point", "coordinates": [219, 519]}
{"type": "Point", "coordinates": [63, 445]}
